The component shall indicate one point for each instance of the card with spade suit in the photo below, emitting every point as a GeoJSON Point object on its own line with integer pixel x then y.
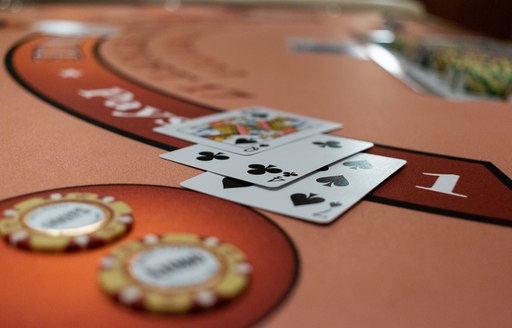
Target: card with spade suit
{"type": "Point", "coordinates": [273, 168]}
{"type": "Point", "coordinates": [320, 197]}
{"type": "Point", "coordinates": [249, 130]}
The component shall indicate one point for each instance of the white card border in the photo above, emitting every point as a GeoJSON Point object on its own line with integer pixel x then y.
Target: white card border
{"type": "Point", "coordinates": [394, 166]}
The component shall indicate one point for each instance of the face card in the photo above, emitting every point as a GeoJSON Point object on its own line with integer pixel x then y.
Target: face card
{"type": "Point", "coordinates": [320, 197]}
{"type": "Point", "coordinates": [247, 131]}
{"type": "Point", "coordinates": [273, 168]}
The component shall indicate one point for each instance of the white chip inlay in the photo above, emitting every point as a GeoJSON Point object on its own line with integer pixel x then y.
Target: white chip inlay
{"type": "Point", "coordinates": [18, 236]}
{"type": "Point", "coordinates": [55, 196]}
{"type": "Point", "coordinates": [243, 268]}
{"type": "Point", "coordinates": [108, 199]}
{"type": "Point", "coordinates": [126, 219]}
{"type": "Point", "coordinates": [82, 241]}
{"type": "Point", "coordinates": [150, 239]}
{"type": "Point", "coordinates": [108, 262]}
{"type": "Point", "coordinates": [65, 218]}
{"type": "Point", "coordinates": [10, 212]}
{"type": "Point", "coordinates": [206, 298]}
{"type": "Point", "coordinates": [174, 266]}
{"type": "Point", "coordinates": [129, 295]}
{"type": "Point", "coordinates": [211, 241]}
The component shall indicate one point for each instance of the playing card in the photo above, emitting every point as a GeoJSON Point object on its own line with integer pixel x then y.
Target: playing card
{"type": "Point", "coordinates": [248, 130]}
{"type": "Point", "coordinates": [320, 197]}
{"type": "Point", "coordinates": [273, 168]}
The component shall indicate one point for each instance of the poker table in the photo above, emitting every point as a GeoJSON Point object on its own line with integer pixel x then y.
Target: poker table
{"type": "Point", "coordinates": [430, 247]}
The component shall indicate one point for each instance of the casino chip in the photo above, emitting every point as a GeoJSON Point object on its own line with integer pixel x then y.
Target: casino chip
{"type": "Point", "coordinates": [70, 222]}
{"type": "Point", "coordinates": [174, 273]}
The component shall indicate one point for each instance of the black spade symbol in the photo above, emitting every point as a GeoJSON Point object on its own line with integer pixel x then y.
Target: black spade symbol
{"type": "Point", "coordinates": [303, 199]}
{"type": "Point", "coordinates": [323, 168]}
{"type": "Point", "coordinates": [234, 183]}
{"type": "Point", "coordinates": [337, 180]}
{"type": "Point", "coordinates": [364, 164]}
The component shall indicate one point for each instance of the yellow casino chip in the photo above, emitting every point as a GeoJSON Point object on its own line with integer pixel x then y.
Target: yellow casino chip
{"type": "Point", "coordinates": [61, 223]}
{"type": "Point", "coordinates": [174, 273]}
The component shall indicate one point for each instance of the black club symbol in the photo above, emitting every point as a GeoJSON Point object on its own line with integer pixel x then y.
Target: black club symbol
{"type": "Point", "coordinates": [290, 174]}
{"type": "Point", "coordinates": [330, 144]}
{"type": "Point", "coordinates": [259, 169]}
{"type": "Point", "coordinates": [208, 156]}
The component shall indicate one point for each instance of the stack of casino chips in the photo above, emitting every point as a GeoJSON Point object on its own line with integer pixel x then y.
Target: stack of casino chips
{"type": "Point", "coordinates": [473, 66]}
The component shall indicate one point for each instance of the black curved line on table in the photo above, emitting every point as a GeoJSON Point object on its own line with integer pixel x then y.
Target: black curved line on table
{"type": "Point", "coordinates": [10, 68]}
{"type": "Point", "coordinates": [296, 258]}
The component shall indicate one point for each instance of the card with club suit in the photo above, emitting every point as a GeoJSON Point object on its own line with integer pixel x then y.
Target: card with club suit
{"type": "Point", "coordinates": [273, 168]}
{"type": "Point", "coordinates": [320, 197]}
{"type": "Point", "coordinates": [249, 130]}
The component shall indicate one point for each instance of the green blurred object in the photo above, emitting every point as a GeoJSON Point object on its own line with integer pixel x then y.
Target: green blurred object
{"type": "Point", "coordinates": [478, 66]}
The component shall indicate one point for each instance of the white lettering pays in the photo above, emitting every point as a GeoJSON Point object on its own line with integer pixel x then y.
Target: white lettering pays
{"type": "Point", "coordinates": [125, 105]}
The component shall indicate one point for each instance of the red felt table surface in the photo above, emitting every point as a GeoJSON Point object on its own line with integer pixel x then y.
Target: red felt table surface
{"type": "Point", "coordinates": [400, 258]}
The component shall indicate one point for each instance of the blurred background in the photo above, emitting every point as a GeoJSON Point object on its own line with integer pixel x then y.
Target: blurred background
{"type": "Point", "coordinates": [491, 17]}
{"type": "Point", "coordinates": [488, 17]}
